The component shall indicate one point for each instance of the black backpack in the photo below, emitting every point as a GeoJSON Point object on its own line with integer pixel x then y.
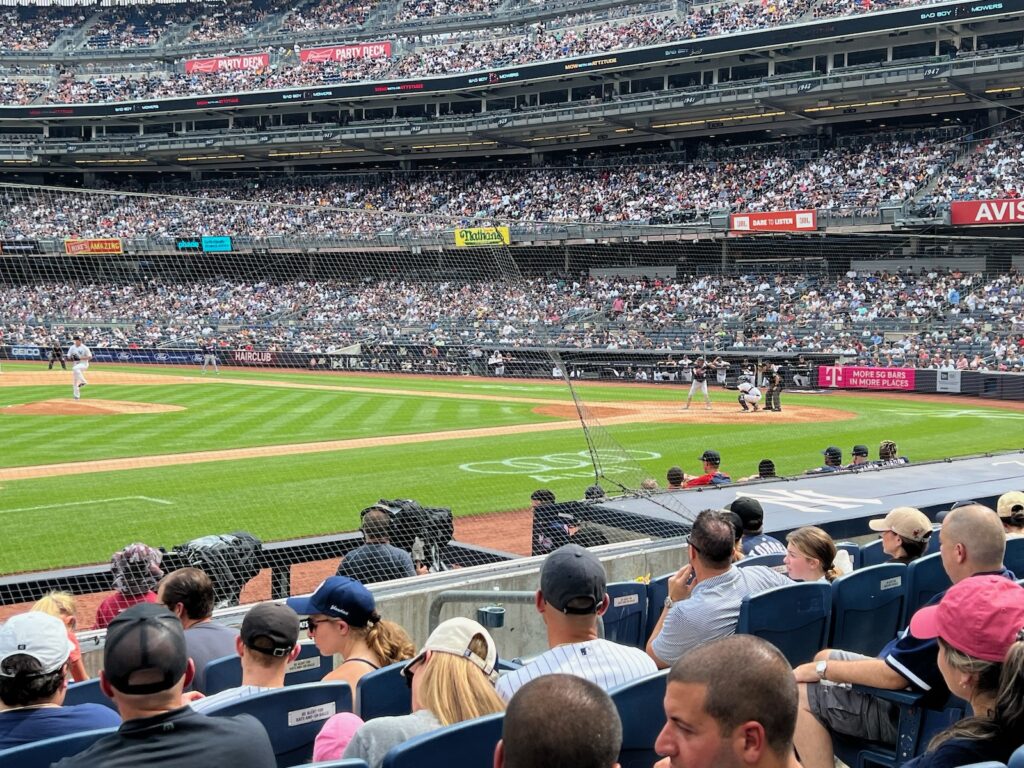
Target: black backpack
{"type": "Point", "coordinates": [229, 559]}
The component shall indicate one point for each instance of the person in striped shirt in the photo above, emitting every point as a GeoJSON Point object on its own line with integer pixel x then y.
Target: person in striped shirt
{"type": "Point", "coordinates": [571, 597]}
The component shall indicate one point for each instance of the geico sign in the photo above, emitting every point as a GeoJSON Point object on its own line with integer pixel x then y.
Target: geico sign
{"type": "Point", "coordinates": [967, 212]}
{"type": "Point", "coordinates": [24, 351]}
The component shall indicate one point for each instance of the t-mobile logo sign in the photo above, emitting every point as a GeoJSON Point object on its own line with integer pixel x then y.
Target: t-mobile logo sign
{"type": "Point", "coordinates": [830, 375]}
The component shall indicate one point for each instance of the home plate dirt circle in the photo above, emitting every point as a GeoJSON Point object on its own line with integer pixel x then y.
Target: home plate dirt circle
{"type": "Point", "coordinates": [71, 407]}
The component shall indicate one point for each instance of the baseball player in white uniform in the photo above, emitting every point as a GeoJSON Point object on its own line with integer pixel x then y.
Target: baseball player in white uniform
{"type": "Point", "coordinates": [749, 396]}
{"type": "Point", "coordinates": [80, 355]}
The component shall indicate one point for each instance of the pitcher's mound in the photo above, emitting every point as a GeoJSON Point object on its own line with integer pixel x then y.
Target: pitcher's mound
{"type": "Point", "coordinates": [71, 407]}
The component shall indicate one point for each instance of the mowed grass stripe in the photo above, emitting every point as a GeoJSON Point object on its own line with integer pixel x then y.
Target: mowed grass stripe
{"type": "Point", "coordinates": [218, 417]}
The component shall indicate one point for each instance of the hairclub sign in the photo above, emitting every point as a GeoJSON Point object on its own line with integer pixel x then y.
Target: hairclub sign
{"type": "Point", "coordinates": [774, 221]}
{"type": "Point", "coordinates": [965, 213]}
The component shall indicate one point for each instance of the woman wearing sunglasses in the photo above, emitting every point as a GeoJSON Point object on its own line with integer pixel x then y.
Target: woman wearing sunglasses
{"type": "Point", "coordinates": [343, 620]}
{"type": "Point", "coordinates": [452, 680]}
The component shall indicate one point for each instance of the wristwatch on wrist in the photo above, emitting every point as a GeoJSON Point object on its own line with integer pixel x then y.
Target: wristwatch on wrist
{"type": "Point", "coordinates": [821, 668]}
{"type": "Point", "coordinates": [669, 602]}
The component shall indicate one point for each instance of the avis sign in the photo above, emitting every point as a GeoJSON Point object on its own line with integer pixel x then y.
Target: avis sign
{"type": "Point", "coordinates": [971, 212]}
{"type": "Point", "coordinates": [864, 377]}
{"type": "Point", "coordinates": [775, 221]}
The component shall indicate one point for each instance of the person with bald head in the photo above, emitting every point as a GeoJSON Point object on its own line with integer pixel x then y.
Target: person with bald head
{"type": "Point", "coordinates": [972, 543]}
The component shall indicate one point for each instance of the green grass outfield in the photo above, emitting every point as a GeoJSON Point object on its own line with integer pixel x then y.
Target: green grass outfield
{"type": "Point", "coordinates": [66, 520]}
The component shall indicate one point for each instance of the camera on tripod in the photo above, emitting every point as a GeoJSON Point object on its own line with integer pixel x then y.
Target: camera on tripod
{"type": "Point", "coordinates": [423, 532]}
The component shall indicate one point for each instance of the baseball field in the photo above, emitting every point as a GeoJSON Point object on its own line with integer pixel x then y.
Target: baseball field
{"type": "Point", "coordinates": [163, 455]}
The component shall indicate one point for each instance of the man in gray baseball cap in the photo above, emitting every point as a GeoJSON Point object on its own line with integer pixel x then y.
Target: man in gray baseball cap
{"type": "Point", "coordinates": [572, 595]}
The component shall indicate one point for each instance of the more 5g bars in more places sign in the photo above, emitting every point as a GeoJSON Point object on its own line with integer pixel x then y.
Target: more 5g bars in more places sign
{"type": "Point", "coordinates": [774, 221]}
{"type": "Point", "coordinates": [974, 212]}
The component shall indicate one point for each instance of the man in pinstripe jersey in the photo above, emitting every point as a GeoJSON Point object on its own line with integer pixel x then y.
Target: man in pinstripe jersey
{"type": "Point", "coordinates": [572, 595]}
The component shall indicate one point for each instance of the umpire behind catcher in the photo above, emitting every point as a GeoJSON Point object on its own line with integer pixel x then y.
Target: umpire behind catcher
{"type": "Point", "coordinates": [56, 356]}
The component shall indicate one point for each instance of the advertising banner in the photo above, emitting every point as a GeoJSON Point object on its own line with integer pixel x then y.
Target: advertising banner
{"type": "Point", "coordinates": [964, 213]}
{"type": "Point", "coordinates": [8, 247]}
{"type": "Point", "coordinates": [246, 62]}
{"type": "Point", "coordinates": [251, 357]}
{"type": "Point", "coordinates": [774, 221]}
{"type": "Point", "coordinates": [477, 236]}
{"type": "Point", "coordinates": [218, 244]}
{"type": "Point", "coordinates": [26, 352]}
{"type": "Point", "coordinates": [346, 52]}
{"type": "Point", "coordinates": [863, 377]}
{"type": "Point", "coordinates": [948, 381]}
{"type": "Point", "coordinates": [93, 246]}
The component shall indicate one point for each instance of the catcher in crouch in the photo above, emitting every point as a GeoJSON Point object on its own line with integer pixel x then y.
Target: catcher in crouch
{"type": "Point", "coordinates": [749, 396]}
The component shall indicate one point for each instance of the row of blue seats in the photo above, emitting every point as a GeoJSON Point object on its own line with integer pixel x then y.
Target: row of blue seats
{"type": "Point", "coordinates": [470, 744]}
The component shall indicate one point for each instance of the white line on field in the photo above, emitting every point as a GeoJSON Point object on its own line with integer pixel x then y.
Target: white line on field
{"type": "Point", "coordinates": [86, 503]}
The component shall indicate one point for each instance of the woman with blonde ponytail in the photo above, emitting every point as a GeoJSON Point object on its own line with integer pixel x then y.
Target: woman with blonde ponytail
{"type": "Point", "coordinates": [451, 679]}
{"type": "Point", "coordinates": [980, 627]}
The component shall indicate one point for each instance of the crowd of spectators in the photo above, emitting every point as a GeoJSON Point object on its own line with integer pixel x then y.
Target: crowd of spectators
{"type": "Point", "coordinates": [233, 19]}
{"type": "Point", "coordinates": [36, 27]}
{"type": "Point", "coordinates": [125, 27]}
{"type": "Point", "coordinates": [423, 55]}
{"type": "Point", "coordinates": [990, 169]}
{"type": "Point", "coordinates": [947, 320]}
{"type": "Point", "coordinates": [861, 176]}
{"type": "Point", "coordinates": [327, 15]}
{"type": "Point", "coordinates": [414, 10]}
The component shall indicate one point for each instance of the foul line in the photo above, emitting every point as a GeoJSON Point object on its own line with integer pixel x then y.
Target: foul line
{"type": "Point", "coordinates": [86, 503]}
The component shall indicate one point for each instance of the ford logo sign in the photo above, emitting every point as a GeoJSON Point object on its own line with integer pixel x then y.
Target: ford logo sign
{"type": "Point", "coordinates": [161, 356]}
{"type": "Point", "coordinates": [123, 356]}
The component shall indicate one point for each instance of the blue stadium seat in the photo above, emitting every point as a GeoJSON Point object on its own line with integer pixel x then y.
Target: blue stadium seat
{"type": "Point", "coordinates": [873, 554]}
{"type": "Point", "coordinates": [1014, 557]}
{"type": "Point", "coordinates": [867, 608]}
{"type": "Point", "coordinates": [349, 763]}
{"type": "Point", "coordinates": [87, 692]}
{"type": "Point", "coordinates": [643, 715]}
{"type": "Point", "coordinates": [794, 618]}
{"type": "Point", "coordinates": [309, 667]}
{"type": "Point", "coordinates": [935, 541]}
{"type": "Point", "coordinates": [657, 591]}
{"type": "Point", "coordinates": [626, 617]}
{"type": "Point", "coordinates": [383, 693]}
{"type": "Point", "coordinates": [917, 726]}
{"type": "Point", "coordinates": [43, 753]}
{"type": "Point", "coordinates": [989, 764]}
{"type": "Point", "coordinates": [852, 549]}
{"type": "Point", "coordinates": [467, 745]}
{"type": "Point", "coordinates": [925, 579]}
{"type": "Point", "coordinates": [1017, 759]}
{"type": "Point", "coordinates": [292, 737]}
{"type": "Point", "coordinates": [770, 561]}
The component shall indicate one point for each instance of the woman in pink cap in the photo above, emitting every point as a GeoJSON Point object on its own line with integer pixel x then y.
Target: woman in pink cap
{"type": "Point", "coordinates": [980, 627]}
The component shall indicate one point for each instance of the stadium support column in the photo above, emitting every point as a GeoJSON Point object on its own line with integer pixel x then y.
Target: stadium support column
{"type": "Point", "coordinates": [725, 255]}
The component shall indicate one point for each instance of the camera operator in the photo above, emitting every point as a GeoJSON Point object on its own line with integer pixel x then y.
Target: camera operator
{"type": "Point", "coordinates": [377, 559]}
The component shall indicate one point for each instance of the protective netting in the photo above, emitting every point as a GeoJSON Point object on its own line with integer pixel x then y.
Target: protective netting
{"type": "Point", "coordinates": [279, 369]}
